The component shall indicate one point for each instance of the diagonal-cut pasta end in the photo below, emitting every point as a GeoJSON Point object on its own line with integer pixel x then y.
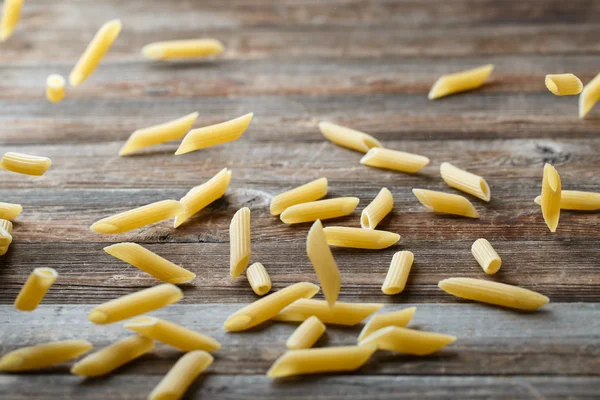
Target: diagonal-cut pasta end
{"type": "Point", "coordinates": [389, 239]}
{"type": "Point", "coordinates": [437, 90]}
{"type": "Point", "coordinates": [143, 321]}
{"type": "Point", "coordinates": [97, 317]}
{"type": "Point", "coordinates": [130, 146]}
{"type": "Point", "coordinates": [11, 362]}
{"type": "Point", "coordinates": [422, 197]}
{"type": "Point", "coordinates": [187, 276]}
{"type": "Point", "coordinates": [104, 228]}
{"type": "Point", "coordinates": [237, 323]}
{"type": "Point", "coordinates": [153, 51]}
{"type": "Point", "coordinates": [538, 200]}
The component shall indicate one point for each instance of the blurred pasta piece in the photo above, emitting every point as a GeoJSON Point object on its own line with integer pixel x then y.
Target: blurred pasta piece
{"type": "Point", "coordinates": [181, 49]}
{"type": "Point", "coordinates": [348, 138]}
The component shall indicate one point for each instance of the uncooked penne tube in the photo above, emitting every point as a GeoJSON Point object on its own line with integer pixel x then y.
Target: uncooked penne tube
{"type": "Point", "coordinates": [25, 164]}
{"type": "Point", "coordinates": [341, 313]}
{"type": "Point", "coordinates": [397, 275]}
{"type": "Point", "coordinates": [55, 88]}
{"type": "Point", "coordinates": [35, 289]}
{"type": "Point", "coordinates": [5, 236]}
{"type": "Point", "coordinates": [314, 361]}
{"type": "Point", "coordinates": [348, 138]}
{"type": "Point", "coordinates": [320, 209]}
{"type": "Point", "coordinates": [10, 211]}
{"type": "Point", "coordinates": [147, 261]}
{"type": "Point", "coordinates": [176, 49]}
{"type": "Point", "coordinates": [6, 226]}
{"type": "Point", "coordinates": [202, 195]}
{"type": "Point", "coordinates": [589, 96]}
{"type": "Point", "coordinates": [563, 84]}
{"type": "Point", "coordinates": [239, 242]}
{"type": "Point", "coordinates": [43, 355]}
{"type": "Point", "coordinates": [302, 194]}
{"type": "Point", "coordinates": [377, 210]}
{"type": "Point", "coordinates": [465, 181]}
{"type": "Point", "coordinates": [446, 203]}
{"type": "Point", "coordinates": [493, 293]}
{"type": "Point", "coordinates": [179, 378]}
{"type": "Point", "coordinates": [486, 256]}
{"type": "Point", "coordinates": [576, 200]}
{"type": "Point", "coordinates": [359, 238]}
{"type": "Point", "coordinates": [306, 335]}
{"type": "Point", "coordinates": [11, 13]}
{"type": "Point", "coordinates": [269, 306]}
{"type": "Point", "coordinates": [408, 341]}
{"type": "Point", "coordinates": [95, 51]}
{"type": "Point", "coordinates": [259, 279]}
{"type": "Point", "coordinates": [213, 135]}
{"type": "Point", "coordinates": [394, 160]}
{"type": "Point", "coordinates": [460, 81]}
{"type": "Point", "coordinates": [172, 334]}
{"type": "Point", "coordinates": [323, 263]}
{"type": "Point", "coordinates": [134, 304]}
{"type": "Point", "coordinates": [113, 356]}
{"type": "Point", "coordinates": [158, 134]}
{"type": "Point", "coordinates": [397, 318]}
{"type": "Point", "coordinates": [139, 217]}
{"type": "Point", "coordinates": [551, 195]}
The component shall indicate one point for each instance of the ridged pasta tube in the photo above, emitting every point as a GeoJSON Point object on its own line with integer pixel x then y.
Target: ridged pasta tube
{"type": "Point", "coordinates": [348, 138]}
{"type": "Point", "coordinates": [381, 206]}
{"type": "Point", "coordinates": [460, 81]}
{"type": "Point", "coordinates": [306, 335]}
{"type": "Point", "coordinates": [408, 341]}
{"type": "Point", "coordinates": [551, 195]}
{"type": "Point", "coordinates": [34, 290]}
{"type": "Point", "coordinates": [320, 209]}
{"type": "Point", "coordinates": [302, 194]}
{"type": "Point", "coordinates": [397, 275]}
{"type": "Point", "coordinates": [399, 318]}
{"type": "Point", "coordinates": [394, 160]}
{"type": "Point", "coordinates": [341, 313]}
{"type": "Point", "coordinates": [465, 181]}
{"type": "Point", "coordinates": [43, 355]}
{"type": "Point", "coordinates": [178, 49]}
{"type": "Point", "coordinates": [213, 135]}
{"type": "Point", "coordinates": [25, 164]}
{"type": "Point", "coordinates": [563, 84]}
{"type": "Point", "coordinates": [446, 203]}
{"type": "Point", "coordinates": [179, 378]}
{"type": "Point", "coordinates": [139, 217]}
{"type": "Point", "coordinates": [202, 195]}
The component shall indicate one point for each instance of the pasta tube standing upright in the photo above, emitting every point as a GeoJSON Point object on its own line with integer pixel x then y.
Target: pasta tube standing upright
{"type": "Point", "coordinates": [486, 256]}
{"type": "Point", "coordinates": [213, 135]}
{"type": "Point", "coordinates": [302, 194]}
{"type": "Point", "coordinates": [446, 203]}
{"type": "Point", "coordinates": [177, 49]}
{"type": "Point", "coordinates": [35, 288]}
{"type": "Point", "coordinates": [259, 279]}
{"type": "Point", "coordinates": [397, 318]}
{"type": "Point", "coordinates": [55, 88]}
{"type": "Point", "coordinates": [348, 138]}
{"type": "Point", "coordinates": [377, 210]}
{"type": "Point", "coordinates": [43, 355]}
{"type": "Point", "coordinates": [589, 96]}
{"type": "Point", "coordinates": [460, 81]}
{"type": "Point", "coordinates": [202, 195]}
{"type": "Point", "coordinates": [239, 242]}
{"type": "Point", "coordinates": [551, 194]}
{"type": "Point", "coordinates": [179, 378]}
{"type": "Point", "coordinates": [397, 275]}
{"type": "Point", "coordinates": [139, 217]}
{"type": "Point", "coordinates": [11, 13]}
{"type": "Point", "coordinates": [25, 164]}
{"type": "Point", "coordinates": [465, 181]}
{"type": "Point", "coordinates": [323, 263]}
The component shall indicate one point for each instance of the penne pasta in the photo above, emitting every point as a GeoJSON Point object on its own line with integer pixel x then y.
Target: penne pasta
{"type": "Point", "coordinates": [269, 306]}
{"type": "Point", "coordinates": [314, 361]}
{"type": "Point", "coordinates": [320, 209]}
{"type": "Point", "coordinates": [179, 378]}
{"type": "Point", "coordinates": [34, 290]}
{"type": "Point", "coordinates": [5, 226]}
{"type": "Point", "coordinates": [486, 256]}
{"type": "Point", "coordinates": [359, 238]}
{"type": "Point", "coordinates": [306, 335]}
{"type": "Point", "coordinates": [465, 181]}
{"type": "Point", "coordinates": [55, 88]}
{"type": "Point", "coordinates": [341, 313]}
{"type": "Point", "coordinates": [446, 203]}
{"type": "Point", "coordinates": [25, 164]}
{"type": "Point", "coordinates": [150, 262]}
{"type": "Point", "coordinates": [551, 195]}
{"type": "Point", "coordinates": [94, 52]}
{"type": "Point", "coordinates": [10, 211]}
{"type": "Point", "coordinates": [259, 279]}
{"type": "Point", "coordinates": [177, 49]}
{"type": "Point", "coordinates": [460, 81]}
{"type": "Point", "coordinates": [302, 194]}
{"type": "Point", "coordinates": [239, 242]}
{"type": "Point", "coordinates": [43, 355]}
{"type": "Point", "coordinates": [394, 160]}
{"type": "Point", "coordinates": [202, 195]}
{"type": "Point", "coordinates": [564, 84]}
{"type": "Point", "coordinates": [213, 135]}
{"type": "Point", "coordinates": [576, 200]}
{"type": "Point", "coordinates": [377, 210]}
{"type": "Point", "coordinates": [172, 334]}
{"type": "Point", "coordinates": [589, 96]}
{"type": "Point", "coordinates": [397, 318]}
{"type": "Point", "coordinates": [158, 134]}
{"type": "Point", "coordinates": [496, 293]}
{"type": "Point", "coordinates": [348, 138]}
{"type": "Point", "coordinates": [11, 13]}
{"type": "Point", "coordinates": [5, 236]}
{"type": "Point", "coordinates": [408, 341]}
{"type": "Point", "coordinates": [397, 275]}
{"type": "Point", "coordinates": [134, 304]}
{"type": "Point", "coordinates": [323, 263]}
{"type": "Point", "coordinates": [112, 357]}
{"type": "Point", "coordinates": [139, 217]}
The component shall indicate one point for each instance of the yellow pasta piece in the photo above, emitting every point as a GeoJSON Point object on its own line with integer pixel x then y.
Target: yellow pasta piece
{"type": "Point", "coordinates": [465, 181]}
{"type": "Point", "coordinates": [302, 194]}
{"type": "Point", "coordinates": [486, 256]}
{"type": "Point", "coordinates": [158, 134]}
{"type": "Point", "coordinates": [55, 88]}
{"type": "Point", "coordinates": [394, 160]}
{"type": "Point", "coordinates": [314, 361]}
{"type": "Point", "coordinates": [306, 335]}
{"type": "Point", "coordinates": [269, 306]}
{"type": "Point", "coordinates": [320, 209]}
{"type": "Point", "coordinates": [25, 164]}
{"type": "Point", "coordinates": [139, 217]}
{"type": "Point", "coordinates": [95, 51]}
{"type": "Point", "coordinates": [359, 238]}
{"type": "Point", "coordinates": [551, 195]}
{"type": "Point", "coordinates": [239, 242]}
{"type": "Point", "coordinates": [134, 304]}
{"type": "Point", "coordinates": [259, 279]}
{"type": "Point", "coordinates": [323, 263]}
{"type": "Point", "coordinates": [6, 226]}
{"type": "Point", "coordinates": [408, 341]}
{"type": "Point", "coordinates": [348, 138]}
{"type": "Point", "coordinates": [5, 236]}
{"type": "Point", "coordinates": [399, 318]}
{"type": "Point", "coordinates": [179, 378]}
{"type": "Point", "coordinates": [176, 49]}
{"type": "Point", "coordinates": [397, 275]}
{"type": "Point", "coordinates": [172, 334]}
{"type": "Point", "coordinates": [460, 81]}
{"type": "Point", "coordinates": [213, 135]}
{"type": "Point", "coordinates": [202, 195]}
{"type": "Point", "coordinates": [112, 357]}
{"type": "Point", "coordinates": [576, 200]}
{"type": "Point", "coordinates": [563, 84]}
{"type": "Point", "coordinates": [11, 13]}
{"type": "Point", "coordinates": [493, 293]}
{"type": "Point", "coordinates": [446, 203]}
{"type": "Point", "coordinates": [589, 96]}
{"type": "Point", "coordinates": [147, 261]}
{"type": "Point", "coordinates": [377, 210]}
{"type": "Point", "coordinates": [35, 288]}
{"type": "Point", "coordinates": [43, 355]}
{"type": "Point", "coordinates": [10, 210]}
{"type": "Point", "coordinates": [341, 313]}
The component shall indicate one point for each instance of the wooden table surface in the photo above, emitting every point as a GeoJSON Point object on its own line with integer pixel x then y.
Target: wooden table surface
{"type": "Point", "coordinates": [367, 64]}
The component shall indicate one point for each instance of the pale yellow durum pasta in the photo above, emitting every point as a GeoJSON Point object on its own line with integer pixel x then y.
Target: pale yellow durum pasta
{"type": "Point", "coordinates": [323, 263]}
{"type": "Point", "coordinates": [239, 242]}
{"type": "Point", "coordinates": [5, 235]}
{"type": "Point", "coordinates": [589, 96]}
{"type": "Point", "coordinates": [55, 88]}
{"type": "Point", "coordinates": [113, 356]}
{"type": "Point", "coordinates": [6, 226]}
{"type": "Point", "coordinates": [408, 341]}
{"type": "Point", "coordinates": [341, 313]}
{"type": "Point", "coordinates": [10, 211]}
{"type": "Point", "coordinates": [179, 378]}
{"type": "Point", "coordinates": [493, 293]}
{"type": "Point", "coordinates": [176, 49]}
{"type": "Point", "coordinates": [551, 195]}
{"type": "Point", "coordinates": [134, 304]}
{"type": "Point", "coordinates": [446, 203]}
{"type": "Point", "coordinates": [11, 13]}
{"type": "Point", "coordinates": [35, 289]}
{"type": "Point", "coordinates": [269, 306]}
{"type": "Point", "coordinates": [259, 279]}
{"type": "Point", "coordinates": [25, 164]}
{"type": "Point", "coordinates": [158, 134]}
{"type": "Point", "coordinates": [465, 181]}
{"type": "Point", "coordinates": [460, 81]}
{"type": "Point", "coordinates": [95, 51]}
{"type": "Point", "coordinates": [172, 334]}
{"type": "Point", "coordinates": [377, 210]}
{"type": "Point", "coordinates": [397, 275]}
{"type": "Point", "coordinates": [43, 355]}
{"type": "Point", "coordinates": [147, 261]}
{"type": "Point", "coordinates": [563, 84]}
{"type": "Point", "coordinates": [314, 361]}
{"type": "Point", "coordinates": [202, 195]}
{"type": "Point", "coordinates": [302, 194]}
{"type": "Point", "coordinates": [213, 135]}
{"type": "Point", "coordinates": [306, 335]}
{"type": "Point", "coordinates": [486, 256]}
{"type": "Point", "coordinates": [399, 318]}
{"type": "Point", "coordinates": [394, 160]}
{"type": "Point", "coordinates": [139, 217]}
{"type": "Point", "coordinates": [359, 238]}
{"type": "Point", "coordinates": [320, 209]}
{"type": "Point", "coordinates": [576, 200]}
{"type": "Point", "coordinates": [348, 138]}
